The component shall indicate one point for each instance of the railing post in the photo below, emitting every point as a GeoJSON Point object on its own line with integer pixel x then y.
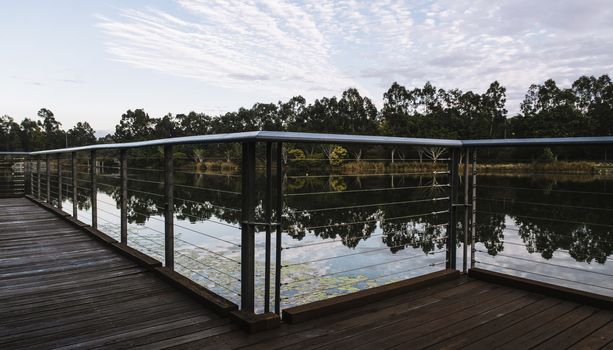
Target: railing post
{"type": "Point", "coordinates": [474, 211]}
{"type": "Point", "coordinates": [48, 174]}
{"type": "Point", "coordinates": [94, 188]}
{"type": "Point", "coordinates": [268, 214]}
{"type": "Point", "coordinates": [28, 175]}
{"type": "Point", "coordinates": [59, 180]}
{"type": "Point", "coordinates": [466, 209]}
{"type": "Point", "coordinates": [169, 236]}
{"type": "Point", "coordinates": [453, 195]}
{"type": "Point", "coordinates": [247, 228]}
{"type": "Point", "coordinates": [38, 178]}
{"type": "Point", "coordinates": [279, 206]}
{"type": "Point", "coordinates": [123, 159]}
{"type": "Point", "coordinates": [75, 186]}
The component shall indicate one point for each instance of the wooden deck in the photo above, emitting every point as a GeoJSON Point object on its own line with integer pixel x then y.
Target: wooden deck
{"type": "Point", "coordinates": [60, 288]}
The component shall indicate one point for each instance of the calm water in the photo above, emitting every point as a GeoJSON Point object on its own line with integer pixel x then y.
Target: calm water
{"type": "Point", "coordinates": [344, 233]}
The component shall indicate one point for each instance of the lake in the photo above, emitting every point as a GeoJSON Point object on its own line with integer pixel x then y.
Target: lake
{"type": "Point", "coordinates": [343, 233]}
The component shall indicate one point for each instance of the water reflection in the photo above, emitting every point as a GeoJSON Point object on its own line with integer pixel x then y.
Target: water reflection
{"type": "Point", "coordinates": [387, 223]}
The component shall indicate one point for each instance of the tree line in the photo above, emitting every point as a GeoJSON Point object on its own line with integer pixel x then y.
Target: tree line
{"type": "Point", "coordinates": [584, 109]}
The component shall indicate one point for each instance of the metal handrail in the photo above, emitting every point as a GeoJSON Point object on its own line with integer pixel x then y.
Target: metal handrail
{"type": "Point", "coordinates": [272, 203]}
{"type": "Point", "coordinates": [304, 137]}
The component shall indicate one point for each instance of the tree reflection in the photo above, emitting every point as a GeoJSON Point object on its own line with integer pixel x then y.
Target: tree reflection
{"type": "Point", "coordinates": [549, 214]}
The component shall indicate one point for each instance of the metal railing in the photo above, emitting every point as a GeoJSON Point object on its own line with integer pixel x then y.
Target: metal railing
{"type": "Point", "coordinates": [13, 169]}
{"type": "Point", "coordinates": [149, 195]}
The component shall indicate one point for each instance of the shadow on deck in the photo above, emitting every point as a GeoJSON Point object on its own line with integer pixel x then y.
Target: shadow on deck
{"type": "Point", "coordinates": [61, 288]}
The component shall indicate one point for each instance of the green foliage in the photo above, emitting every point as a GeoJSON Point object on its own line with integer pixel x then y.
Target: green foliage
{"type": "Point", "coordinates": [296, 154]}
{"type": "Point", "coordinates": [81, 134]}
{"type": "Point", "coordinates": [584, 109]}
{"type": "Point", "coordinates": [547, 155]}
{"type": "Point", "coordinates": [337, 155]}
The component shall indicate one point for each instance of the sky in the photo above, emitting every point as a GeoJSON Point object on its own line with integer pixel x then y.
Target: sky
{"type": "Point", "coordinates": [93, 60]}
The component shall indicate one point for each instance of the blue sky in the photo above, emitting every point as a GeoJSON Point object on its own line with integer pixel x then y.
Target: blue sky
{"type": "Point", "coordinates": [93, 60]}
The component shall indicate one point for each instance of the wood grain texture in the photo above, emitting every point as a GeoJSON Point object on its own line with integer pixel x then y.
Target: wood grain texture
{"type": "Point", "coordinates": [60, 288]}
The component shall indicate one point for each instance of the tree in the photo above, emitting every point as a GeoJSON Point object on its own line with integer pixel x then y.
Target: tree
{"type": "Point", "coordinates": [81, 134]}
{"type": "Point", "coordinates": [193, 124]}
{"type": "Point", "coordinates": [32, 136]}
{"type": "Point", "coordinates": [10, 134]}
{"type": "Point", "coordinates": [291, 114]}
{"type": "Point", "coordinates": [548, 111]}
{"type": "Point", "coordinates": [54, 136]}
{"type": "Point", "coordinates": [165, 127]}
{"type": "Point", "coordinates": [134, 126]}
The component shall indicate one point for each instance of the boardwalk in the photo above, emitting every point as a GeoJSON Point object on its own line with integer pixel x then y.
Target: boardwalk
{"type": "Point", "coordinates": [60, 288]}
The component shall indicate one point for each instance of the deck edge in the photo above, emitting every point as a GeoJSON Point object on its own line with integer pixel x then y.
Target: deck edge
{"type": "Point", "coordinates": [325, 307]}
{"type": "Point", "coordinates": [600, 301]}
{"type": "Point", "coordinates": [203, 295]}
{"type": "Point", "coordinates": [254, 323]}
{"type": "Point", "coordinates": [199, 293]}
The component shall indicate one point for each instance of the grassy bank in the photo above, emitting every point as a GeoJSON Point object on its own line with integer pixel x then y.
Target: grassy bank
{"type": "Point", "coordinates": [376, 167]}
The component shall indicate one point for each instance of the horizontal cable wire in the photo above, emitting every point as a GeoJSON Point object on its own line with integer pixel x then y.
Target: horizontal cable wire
{"type": "Point", "coordinates": [206, 174]}
{"type": "Point", "coordinates": [547, 190]}
{"type": "Point", "coordinates": [351, 254]}
{"type": "Point", "coordinates": [189, 229]}
{"type": "Point", "coordinates": [208, 220]}
{"type": "Point", "coordinates": [546, 263]}
{"type": "Point", "coordinates": [544, 204]}
{"type": "Point", "coordinates": [377, 220]}
{"type": "Point", "coordinates": [208, 266]}
{"type": "Point", "coordinates": [361, 268]}
{"type": "Point", "coordinates": [145, 192]}
{"type": "Point", "coordinates": [355, 238]}
{"type": "Point", "coordinates": [547, 219]}
{"type": "Point", "coordinates": [516, 229]}
{"type": "Point", "coordinates": [364, 190]}
{"type": "Point", "coordinates": [107, 185]}
{"type": "Point", "coordinates": [207, 250]}
{"type": "Point", "coordinates": [185, 267]}
{"type": "Point", "coordinates": [544, 275]}
{"type": "Point", "coordinates": [209, 189]}
{"type": "Point", "coordinates": [146, 181]}
{"type": "Point", "coordinates": [142, 169]}
{"type": "Point", "coordinates": [366, 175]}
{"type": "Point", "coordinates": [398, 160]}
{"type": "Point", "coordinates": [210, 280]}
{"type": "Point", "coordinates": [374, 205]}
{"type": "Point", "coordinates": [365, 280]}
{"type": "Point", "coordinates": [206, 204]}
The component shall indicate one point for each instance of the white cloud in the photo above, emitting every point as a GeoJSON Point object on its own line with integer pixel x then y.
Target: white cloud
{"type": "Point", "coordinates": [319, 47]}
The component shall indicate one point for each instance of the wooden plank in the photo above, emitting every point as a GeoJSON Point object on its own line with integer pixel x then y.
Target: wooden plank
{"type": "Point", "coordinates": [136, 333]}
{"type": "Point", "coordinates": [578, 332]}
{"type": "Point", "coordinates": [59, 287]}
{"type": "Point", "coordinates": [598, 300]}
{"type": "Point", "coordinates": [344, 302]}
{"type": "Point", "coordinates": [156, 333]}
{"type": "Point", "coordinates": [494, 326]}
{"type": "Point", "coordinates": [550, 329]}
{"type": "Point", "coordinates": [421, 309]}
{"type": "Point", "coordinates": [429, 321]}
{"type": "Point", "coordinates": [287, 334]}
{"type": "Point", "coordinates": [88, 324]}
{"type": "Point", "coordinates": [518, 329]}
{"type": "Point", "coordinates": [601, 338]}
{"type": "Point", "coordinates": [424, 340]}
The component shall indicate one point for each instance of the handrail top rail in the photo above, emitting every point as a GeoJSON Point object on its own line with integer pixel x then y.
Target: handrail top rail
{"type": "Point", "coordinates": [273, 136]}
{"type": "Point", "coordinates": [4, 153]}
{"type": "Point", "coordinates": [540, 141]}
{"type": "Point", "coordinates": [305, 137]}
